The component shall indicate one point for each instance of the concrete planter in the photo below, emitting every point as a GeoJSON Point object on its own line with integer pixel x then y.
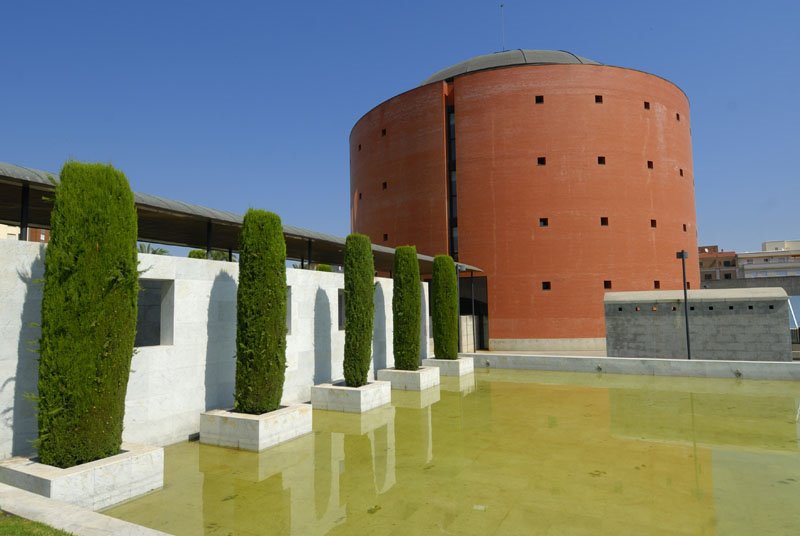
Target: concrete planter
{"type": "Point", "coordinates": [411, 380]}
{"type": "Point", "coordinates": [451, 367]}
{"type": "Point", "coordinates": [95, 485]}
{"type": "Point", "coordinates": [225, 428]}
{"type": "Point", "coordinates": [417, 399]}
{"type": "Point", "coordinates": [339, 397]}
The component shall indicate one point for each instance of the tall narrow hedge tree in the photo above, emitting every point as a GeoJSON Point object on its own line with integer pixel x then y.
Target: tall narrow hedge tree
{"type": "Point", "coordinates": [260, 314]}
{"type": "Point", "coordinates": [444, 305]}
{"type": "Point", "coordinates": [405, 308]}
{"type": "Point", "coordinates": [359, 276]}
{"type": "Point", "coordinates": [88, 316]}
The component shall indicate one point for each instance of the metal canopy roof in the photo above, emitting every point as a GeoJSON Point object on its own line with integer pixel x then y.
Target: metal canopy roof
{"type": "Point", "coordinates": [166, 221]}
{"type": "Point", "coordinates": [506, 59]}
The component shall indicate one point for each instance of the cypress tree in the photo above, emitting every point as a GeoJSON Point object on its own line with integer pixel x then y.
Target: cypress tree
{"type": "Point", "coordinates": [405, 308]}
{"type": "Point", "coordinates": [260, 314]}
{"type": "Point", "coordinates": [359, 272]}
{"type": "Point", "coordinates": [444, 304]}
{"type": "Point", "coordinates": [88, 316]}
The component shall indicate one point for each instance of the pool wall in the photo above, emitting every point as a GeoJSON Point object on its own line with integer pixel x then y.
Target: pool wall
{"type": "Point", "coordinates": [189, 367]}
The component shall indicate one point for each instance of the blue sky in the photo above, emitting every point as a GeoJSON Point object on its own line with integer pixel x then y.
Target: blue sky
{"type": "Point", "coordinates": [238, 104]}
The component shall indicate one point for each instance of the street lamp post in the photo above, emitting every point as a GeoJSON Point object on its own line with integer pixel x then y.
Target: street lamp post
{"type": "Point", "coordinates": [683, 255]}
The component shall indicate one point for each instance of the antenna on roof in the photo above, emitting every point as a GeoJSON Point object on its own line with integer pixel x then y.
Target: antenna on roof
{"type": "Point", "coordinates": [502, 28]}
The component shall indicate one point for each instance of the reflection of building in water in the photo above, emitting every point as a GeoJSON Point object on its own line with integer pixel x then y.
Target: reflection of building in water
{"type": "Point", "coordinates": [238, 484]}
{"type": "Point", "coordinates": [563, 434]}
{"type": "Point", "coordinates": [459, 384]}
{"type": "Point", "coordinates": [414, 425]}
{"type": "Point", "coordinates": [320, 473]}
{"type": "Point", "coordinates": [347, 443]}
{"type": "Point", "coordinates": [743, 443]}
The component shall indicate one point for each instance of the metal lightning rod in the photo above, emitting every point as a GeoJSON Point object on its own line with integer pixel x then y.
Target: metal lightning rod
{"type": "Point", "coordinates": [502, 28]}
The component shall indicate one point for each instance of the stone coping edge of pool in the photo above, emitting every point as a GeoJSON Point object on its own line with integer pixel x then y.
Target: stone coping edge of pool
{"type": "Point", "coordinates": [64, 516]}
{"type": "Point", "coordinates": [751, 370]}
{"type": "Point", "coordinates": [136, 470]}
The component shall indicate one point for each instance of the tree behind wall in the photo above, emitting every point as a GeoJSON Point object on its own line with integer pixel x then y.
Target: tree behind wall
{"type": "Point", "coordinates": [88, 316]}
{"type": "Point", "coordinates": [359, 272]}
{"type": "Point", "coordinates": [444, 305]}
{"type": "Point", "coordinates": [260, 314]}
{"type": "Point", "coordinates": [405, 308]}
{"type": "Point", "coordinates": [216, 255]}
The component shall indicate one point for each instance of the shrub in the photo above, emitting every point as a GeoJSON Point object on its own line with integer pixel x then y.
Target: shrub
{"type": "Point", "coordinates": [405, 308]}
{"type": "Point", "coordinates": [260, 314]}
{"type": "Point", "coordinates": [88, 316]}
{"type": "Point", "coordinates": [359, 271]}
{"type": "Point", "coordinates": [152, 250]}
{"type": "Point", "coordinates": [444, 305]}
{"type": "Point", "coordinates": [216, 255]}
{"type": "Point", "coordinates": [324, 268]}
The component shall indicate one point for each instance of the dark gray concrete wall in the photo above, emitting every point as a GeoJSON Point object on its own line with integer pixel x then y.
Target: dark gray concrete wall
{"type": "Point", "coordinates": [790, 284]}
{"type": "Point", "coordinates": [733, 325]}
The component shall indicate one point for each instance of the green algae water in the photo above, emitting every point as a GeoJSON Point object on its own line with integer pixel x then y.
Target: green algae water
{"type": "Point", "coordinates": [509, 452]}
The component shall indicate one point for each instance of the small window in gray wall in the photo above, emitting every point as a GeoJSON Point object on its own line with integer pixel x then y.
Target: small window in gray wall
{"type": "Point", "coordinates": [340, 306]}
{"type": "Point", "coordinates": [155, 313]}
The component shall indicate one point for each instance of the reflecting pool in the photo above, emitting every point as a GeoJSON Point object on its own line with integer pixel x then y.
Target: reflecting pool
{"type": "Point", "coordinates": [509, 452]}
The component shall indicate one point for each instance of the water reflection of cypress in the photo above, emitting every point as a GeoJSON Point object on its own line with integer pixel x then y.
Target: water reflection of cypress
{"type": "Point", "coordinates": [323, 473]}
{"type": "Point", "coordinates": [412, 432]}
{"type": "Point", "coordinates": [706, 418]}
{"type": "Point", "coordinates": [539, 454]}
{"type": "Point", "coordinates": [357, 481]}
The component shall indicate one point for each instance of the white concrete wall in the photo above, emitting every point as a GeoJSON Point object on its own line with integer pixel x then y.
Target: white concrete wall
{"type": "Point", "coordinates": [194, 368]}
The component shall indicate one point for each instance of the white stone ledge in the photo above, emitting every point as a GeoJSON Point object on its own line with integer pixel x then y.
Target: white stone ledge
{"type": "Point", "coordinates": [411, 380]}
{"type": "Point", "coordinates": [225, 428]}
{"type": "Point", "coordinates": [65, 516]}
{"type": "Point", "coordinates": [751, 370]}
{"type": "Point", "coordinates": [452, 367]}
{"type": "Point", "coordinates": [137, 470]}
{"type": "Point", "coordinates": [339, 397]}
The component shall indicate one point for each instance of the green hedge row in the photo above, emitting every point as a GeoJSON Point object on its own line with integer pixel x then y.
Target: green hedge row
{"type": "Point", "coordinates": [88, 316]}
{"type": "Point", "coordinates": [260, 314]}
{"type": "Point", "coordinates": [444, 305]}
{"type": "Point", "coordinates": [359, 273]}
{"type": "Point", "coordinates": [406, 308]}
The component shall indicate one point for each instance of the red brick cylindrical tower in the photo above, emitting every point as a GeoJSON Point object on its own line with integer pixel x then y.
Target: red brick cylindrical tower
{"type": "Point", "coordinates": [560, 177]}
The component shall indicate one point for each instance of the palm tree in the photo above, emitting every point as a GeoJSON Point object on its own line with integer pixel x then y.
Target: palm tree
{"type": "Point", "coordinates": [148, 248]}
